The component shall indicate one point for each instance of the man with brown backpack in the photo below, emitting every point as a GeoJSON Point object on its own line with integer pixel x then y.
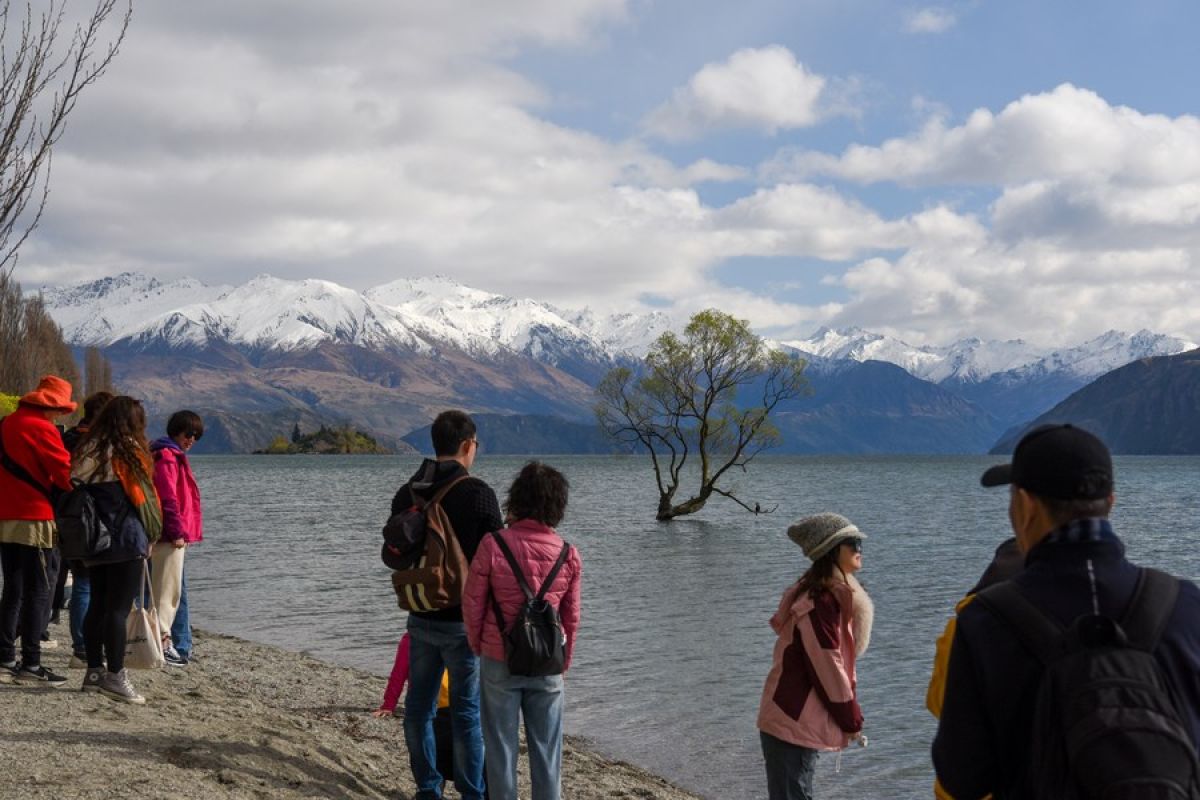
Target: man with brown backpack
{"type": "Point", "coordinates": [444, 493]}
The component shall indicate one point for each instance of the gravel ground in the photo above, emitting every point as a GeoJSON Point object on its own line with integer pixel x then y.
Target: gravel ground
{"type": "Point", "coordinates": [243, 721]}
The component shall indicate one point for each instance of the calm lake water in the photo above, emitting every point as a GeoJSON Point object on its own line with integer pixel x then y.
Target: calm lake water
{"type": "Point", "coordinates": [674, 642]}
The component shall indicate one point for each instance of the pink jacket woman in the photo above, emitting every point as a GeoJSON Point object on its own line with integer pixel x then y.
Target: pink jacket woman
{"type": "Point", "coordinates": [535, 547]}
{"type": "Point", "coordinates": [178, 492]}
{"type": "Point", "coordinates": [809, 698]}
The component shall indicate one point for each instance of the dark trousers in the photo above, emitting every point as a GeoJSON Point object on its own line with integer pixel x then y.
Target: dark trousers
{"type": "Point", "coordinates": [113, 588]}
{"type": "Point", "coordinates": [790, 769]}
{"type": "Point", "coordinates": [29, 575]}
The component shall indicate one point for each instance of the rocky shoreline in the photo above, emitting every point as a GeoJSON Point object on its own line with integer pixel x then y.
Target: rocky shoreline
{"type": "Point", "coordinates": [244, 720]}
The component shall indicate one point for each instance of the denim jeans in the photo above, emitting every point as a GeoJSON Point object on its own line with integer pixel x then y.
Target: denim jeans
{"type": "Point", "coordinates": [181, 629]}
{"type": "Point", "coordinates": [506, 699]}
{"type": "Point", "coordinates": [81, 593]}
{"type": "Point", "coordinates": [790, 769]}
{"type": "Point", "coordinates": [29, 576]}
{"type": "Point", "coordinates": [438, 646]}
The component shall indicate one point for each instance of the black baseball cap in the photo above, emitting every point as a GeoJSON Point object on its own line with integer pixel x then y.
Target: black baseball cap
{"type": "Point", "coordinates": [1059, 461]}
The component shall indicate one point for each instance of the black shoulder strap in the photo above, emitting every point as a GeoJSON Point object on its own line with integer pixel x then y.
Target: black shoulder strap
{"type": "Point", "coordinates": [529, 595]}
{"type": "Point", "coordinates": [1040, 633]}
{"type": "Point", "coordinates": [1153, 601]}
{"type": "Point", "coordinates": [512, 562]}
{"type": "Point", "coordinates": [16, 469]}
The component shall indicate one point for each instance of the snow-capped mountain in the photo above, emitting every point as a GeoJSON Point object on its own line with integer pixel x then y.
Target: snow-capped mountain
{"type": "Point", "coordinates": [974, 360]}
{"type": "Point", "coordinates": [268, 313]}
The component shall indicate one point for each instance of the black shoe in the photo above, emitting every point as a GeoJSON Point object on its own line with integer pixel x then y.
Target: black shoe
{"type": "Point", "coordinates": [40, 675]}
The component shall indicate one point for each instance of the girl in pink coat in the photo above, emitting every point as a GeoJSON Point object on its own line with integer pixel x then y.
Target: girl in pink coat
{"type": "Point", "coordinates": [810, 700]}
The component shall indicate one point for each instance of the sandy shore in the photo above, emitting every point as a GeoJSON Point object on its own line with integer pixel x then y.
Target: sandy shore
{"type": "Point", "coordinates": [243, 721]}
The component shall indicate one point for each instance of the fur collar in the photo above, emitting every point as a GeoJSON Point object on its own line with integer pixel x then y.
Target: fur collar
{"type": "Point", "coordinates": [862, 614]}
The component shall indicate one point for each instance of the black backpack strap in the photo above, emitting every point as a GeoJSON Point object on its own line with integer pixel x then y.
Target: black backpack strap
{"type": "Point", "coordinates": [16, 470]}
{"type": "Point", "coordinates": [1041, 634]}
{"type": "Point", "coordinates": [512, 562]}
{"type": "Point", "coordinates": [562, 559]}
{"type": "Point", "coordinates": [1153, 600]}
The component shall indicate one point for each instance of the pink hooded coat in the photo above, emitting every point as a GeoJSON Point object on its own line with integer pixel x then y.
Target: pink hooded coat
{"type": "Point", "coordinates": [810, 695]}
{"type": "Point", "coordinates": [178, 493]}
{"type": "Point", "coordinates": [535, 547]}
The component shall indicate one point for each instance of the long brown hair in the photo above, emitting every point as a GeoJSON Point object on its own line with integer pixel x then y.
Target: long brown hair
{"type": "Point", "coordinates": [119, 434]}
{"type": "Point", "coordinates": [820, 573]}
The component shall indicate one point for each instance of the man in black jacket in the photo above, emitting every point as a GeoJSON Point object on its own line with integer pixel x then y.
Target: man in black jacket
{"type": "Point", "coordinates": [439, 639]}
{"type": "Point", "coordinates": [1061, 492]}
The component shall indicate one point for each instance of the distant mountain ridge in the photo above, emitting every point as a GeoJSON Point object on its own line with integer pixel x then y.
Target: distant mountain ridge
{"type": "Point", "coordinates": [388, 358]}
{"type": "Point", "coordinates": [1151, 406]}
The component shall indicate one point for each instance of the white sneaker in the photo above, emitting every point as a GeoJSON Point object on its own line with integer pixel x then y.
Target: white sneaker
{"type": "Point", "coordinates": [117, 686]}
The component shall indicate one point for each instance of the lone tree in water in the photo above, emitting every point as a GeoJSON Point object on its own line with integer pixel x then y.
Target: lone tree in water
{"type": "Point", "coordinates": [686, 402]}
{"type": "Point", "coordinates": [44, 67]}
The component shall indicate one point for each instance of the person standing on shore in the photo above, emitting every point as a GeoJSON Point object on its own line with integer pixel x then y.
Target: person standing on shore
{"type": "Point", "coordinates": [81, 585]}
{"type": "Point", "coordinates": [439, 638]}
{"type": "Point", "coordinates": [1076, 588]}
{"type": "Point", "coordinates": [113, 460]}
{"type": "Point", "coordinates": [536, 503]}
{"type": "Point", "coordinates": [35, 465]}
{"type": "Point", "coordinates": [810, 699]}
{"type": "Point", "coordinates": [183, 524]}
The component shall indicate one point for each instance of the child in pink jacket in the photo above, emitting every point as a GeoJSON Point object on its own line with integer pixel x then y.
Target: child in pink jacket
{"type": "Point", "coordinates": [810, 700]}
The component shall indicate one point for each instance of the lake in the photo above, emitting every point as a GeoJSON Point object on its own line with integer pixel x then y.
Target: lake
{"type": "Point", "coordinates": [674, 642]}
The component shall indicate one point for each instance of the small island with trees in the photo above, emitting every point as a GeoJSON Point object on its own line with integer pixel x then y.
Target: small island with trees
{"type": "Point", "coordinates": [340, 440]}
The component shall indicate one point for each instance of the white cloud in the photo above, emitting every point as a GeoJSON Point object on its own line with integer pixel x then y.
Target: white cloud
{"type": "Point", "coordinates": [929, 20]}
{"type": "Point", "coordinates": [764, 89]}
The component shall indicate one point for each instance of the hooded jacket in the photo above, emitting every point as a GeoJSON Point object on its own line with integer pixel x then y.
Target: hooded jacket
{"type": "Point", "coordinates": [177, 492]}
{"type": "Point", "coordinates": [33, 442]}
{"type": "Point", "coordinates": [471, 506]}
{"type": "Point", "coordinates": [535, 547]}
{"type": "Point", "coordinates": [810, 696]}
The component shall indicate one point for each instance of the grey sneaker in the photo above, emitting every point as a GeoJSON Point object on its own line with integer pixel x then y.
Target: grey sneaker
{"type": "Point", "coordinates": [41, 676]}
{"type": "Point", "coordinates": [77, 661]}
{"type": "Point", "coordinates": [91, 680]}
{"type": "Point", "coordinates": [8, 672]}
{"type": "Point", "coordinates": [117, 686]}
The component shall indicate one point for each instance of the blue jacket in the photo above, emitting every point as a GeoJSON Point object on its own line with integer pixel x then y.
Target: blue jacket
{"type": "Point", "coordinates": [982, 742]}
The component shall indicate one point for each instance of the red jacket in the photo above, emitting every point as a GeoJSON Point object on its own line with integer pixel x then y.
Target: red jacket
{"type": "Point", "coordinates": [32, 441]}
{"type": "Point", "coordinates": [535, 547]}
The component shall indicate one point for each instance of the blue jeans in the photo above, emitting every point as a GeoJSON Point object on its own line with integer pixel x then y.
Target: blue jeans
{"type": "Point", "coordinates": [81, 594]}
{"type": "Point", "coordinates": [790, 769]}
{"type": "Point", "coordinates": [181, 629]}
{"type": "Point", "coordinates": [438, 646]}
{"type": "Point", "coordinates": [507, 698]}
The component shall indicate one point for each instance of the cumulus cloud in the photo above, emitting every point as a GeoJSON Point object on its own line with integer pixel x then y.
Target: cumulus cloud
{"type": "Point", "coordinates": [374, 140]}
{"type": "Point", "coordinates": [764, 89]}
{"type": "Point", "coordinates": [929, 20]}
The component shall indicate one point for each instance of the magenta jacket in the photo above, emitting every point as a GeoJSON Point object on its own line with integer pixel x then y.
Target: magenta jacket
{"type": "Point", "coordinates": [535, 547]}
{"type": "Point", "coordinates": [178, 493]}
{"type": "Point", "coordinates": [810, 696]}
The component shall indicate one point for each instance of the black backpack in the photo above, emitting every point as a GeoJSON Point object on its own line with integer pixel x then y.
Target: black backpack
{"type": "Point", "coordinates": [1105, 723]}
{"type": "Point", "coordinates": [535, 645]}
{"type": "Point", "coordinates": [82, 531]}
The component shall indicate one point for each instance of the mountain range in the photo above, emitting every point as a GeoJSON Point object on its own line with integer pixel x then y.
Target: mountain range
{"type": "Point", "coordinates": [262, 356]}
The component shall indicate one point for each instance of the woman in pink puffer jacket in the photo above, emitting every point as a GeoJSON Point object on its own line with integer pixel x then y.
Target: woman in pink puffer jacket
{"type": "Point", "coordinates": [536, 502]}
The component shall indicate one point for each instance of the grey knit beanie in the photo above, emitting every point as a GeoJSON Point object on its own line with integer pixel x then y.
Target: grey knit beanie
{"type": "Point", "coordinates": [817, 534]}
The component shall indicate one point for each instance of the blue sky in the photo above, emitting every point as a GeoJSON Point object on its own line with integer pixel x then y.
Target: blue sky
{"type": "Point", "coordinates": [1005, 170]}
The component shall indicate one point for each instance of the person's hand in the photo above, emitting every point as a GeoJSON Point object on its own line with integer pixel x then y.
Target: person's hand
{"type": "Point", "coordinates": [179, 544]}
{"type": "Point", "coordinates": [381, 712]}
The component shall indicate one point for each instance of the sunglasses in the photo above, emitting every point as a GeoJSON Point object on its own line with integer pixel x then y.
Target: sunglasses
{"type": "Point", "coordinates": [195, 435]}
{"type": "Point", "coordinates": [854, 544]}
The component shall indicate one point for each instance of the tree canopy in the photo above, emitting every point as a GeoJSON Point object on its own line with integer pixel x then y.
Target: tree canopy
{"type": "Point", "coordinates": [707, 393]}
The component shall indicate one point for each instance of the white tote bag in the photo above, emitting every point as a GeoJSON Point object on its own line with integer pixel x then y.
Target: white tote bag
{"type": "Point", "coordinates": [143, 643]}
